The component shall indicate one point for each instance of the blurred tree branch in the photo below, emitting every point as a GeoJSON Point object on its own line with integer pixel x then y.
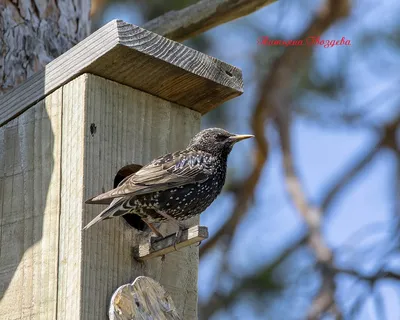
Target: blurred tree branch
{"type": "Point", "coordinates": [221, 300]}
{"type": "Point", "coordinates": [274, 102]}
{"type": "Point", "coordinates": [195, 19]}
{"type": "Point", "coordinates": [255, 284]}
{"type": "Point", "coordinates": [387, 139]}
{"type": "Point", "coordinates": [381, 274]}
{"type": "Point", "coordinates": [348, 175]}
{"type": "Point", "coordinates": [379, 305]}
{"type": "Point", "coordinates": [275, 98]}
{"type": "Point", "coordinates": [312, 215]}
{"type": "Point", "coordinates": [202, 16]}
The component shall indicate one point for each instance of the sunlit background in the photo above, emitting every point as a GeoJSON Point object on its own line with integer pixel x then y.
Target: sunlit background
{"type": "Point", "coordinates": [344, 102]}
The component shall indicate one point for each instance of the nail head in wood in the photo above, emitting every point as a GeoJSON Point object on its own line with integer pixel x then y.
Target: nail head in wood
{"type": "Point", "coordinates": [159, 248]}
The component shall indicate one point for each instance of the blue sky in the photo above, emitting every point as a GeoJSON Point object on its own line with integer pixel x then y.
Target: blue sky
{"type": "Point", "coordinates": [321, 152]}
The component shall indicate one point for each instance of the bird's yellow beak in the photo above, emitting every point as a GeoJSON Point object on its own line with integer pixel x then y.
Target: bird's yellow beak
{"type": "Point", "coordinates": [239, 137]}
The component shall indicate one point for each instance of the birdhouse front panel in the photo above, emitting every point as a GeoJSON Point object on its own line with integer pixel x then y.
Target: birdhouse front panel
{"type": "Point", "coordinates": [107, 126]}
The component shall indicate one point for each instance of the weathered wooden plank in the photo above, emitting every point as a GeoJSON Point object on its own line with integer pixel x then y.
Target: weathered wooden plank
{"type": "Point", "coordinates": [140, 59]}
{"type": "Point", "coordinates": [145, 251]}
{"type": "Point", "coordinates": [30, 148]}
{"type": "Point", "coordinates": [131, 127]}
{"type": "Point", "coordinates": [143, 299]}
{"type": "Point", "coordinates": [72, 179]}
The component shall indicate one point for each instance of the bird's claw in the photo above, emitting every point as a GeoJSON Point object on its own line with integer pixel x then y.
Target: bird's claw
{"type": "Point", "coordinates": [177, 238]}
{"type": "Point", "coordinates": [153, 240]}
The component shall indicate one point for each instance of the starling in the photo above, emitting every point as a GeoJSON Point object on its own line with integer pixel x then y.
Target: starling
{"type": "Point", "coordinates": [176, 186]}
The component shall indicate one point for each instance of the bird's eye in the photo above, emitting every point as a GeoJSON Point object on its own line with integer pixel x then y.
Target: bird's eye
{"type": "Point", "coordinates": [220, 138]}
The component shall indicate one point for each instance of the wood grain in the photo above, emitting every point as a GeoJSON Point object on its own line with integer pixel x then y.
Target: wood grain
{"type": "Point", "coordinates": [140, 59]}
{"type": "Point", "coordinates": [131, 127]}
{"type": "Point", "coordinates": [143, 299]}
{"type": "Point", "coordinates": [189, 236]}
{"type": "Point", "coordinates": [30, 161]}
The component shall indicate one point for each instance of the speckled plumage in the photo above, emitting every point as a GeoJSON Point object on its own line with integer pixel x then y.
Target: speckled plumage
{"type": "Point", "coordinates": [180, 184]}
{"type": "Point", "coordinates": [185, 201]}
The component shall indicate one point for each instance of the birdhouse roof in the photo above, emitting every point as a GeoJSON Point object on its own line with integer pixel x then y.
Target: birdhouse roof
{"type": "Point", "coordinates": [138, 58]}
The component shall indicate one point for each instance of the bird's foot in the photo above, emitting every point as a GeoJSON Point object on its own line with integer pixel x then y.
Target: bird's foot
{"type": "Point", "coordinates": [154, 240]}
{"type": "Point", "coordinates": [177, 237]}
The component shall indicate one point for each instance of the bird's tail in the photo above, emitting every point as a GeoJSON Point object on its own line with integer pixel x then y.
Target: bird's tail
{"type": "Point", "coordinates": [108, 212]}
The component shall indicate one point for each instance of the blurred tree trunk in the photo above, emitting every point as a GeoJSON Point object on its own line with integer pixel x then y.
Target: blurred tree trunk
{"type": "Point", "coordinates": [32, 33]}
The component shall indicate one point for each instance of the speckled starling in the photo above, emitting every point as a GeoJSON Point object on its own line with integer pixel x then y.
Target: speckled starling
{"type": "Point", "coordinates": [176, 186]}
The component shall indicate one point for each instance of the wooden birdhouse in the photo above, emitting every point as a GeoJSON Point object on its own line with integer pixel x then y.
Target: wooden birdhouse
{"type": "Point", "coordinates": [122, 96]}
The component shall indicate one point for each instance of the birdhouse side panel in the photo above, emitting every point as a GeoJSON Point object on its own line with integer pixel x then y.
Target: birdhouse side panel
{"type": "Point", "coordinates": [30, 155]}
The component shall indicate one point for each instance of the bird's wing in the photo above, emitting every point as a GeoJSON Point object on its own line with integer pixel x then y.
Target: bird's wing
{"type": "Point", "coordinates": [169, 171]}
{"type": "Point", "coordinates": [121, 177]}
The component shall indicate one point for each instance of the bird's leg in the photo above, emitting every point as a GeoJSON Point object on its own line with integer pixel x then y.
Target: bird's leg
{"type": "Point", "coordinates": [181, 226]}
{"type": "Point", "coordinates": [154, 229]}
{"type": "Point", "coordinates": [177, 237]}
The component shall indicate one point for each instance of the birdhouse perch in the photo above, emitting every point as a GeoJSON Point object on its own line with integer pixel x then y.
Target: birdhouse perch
{"type": "Point", "coordinates": [123, 95]}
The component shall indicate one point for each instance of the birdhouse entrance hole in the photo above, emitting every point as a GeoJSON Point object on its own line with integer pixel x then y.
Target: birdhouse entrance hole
{"type": "Point", "coordinates": [132, 219]}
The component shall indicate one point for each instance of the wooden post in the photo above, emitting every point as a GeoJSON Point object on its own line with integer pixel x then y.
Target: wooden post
{"type": "Point", "coordinates": [123, 95]}
{"type": "Point", "coordinates": [143, 299]}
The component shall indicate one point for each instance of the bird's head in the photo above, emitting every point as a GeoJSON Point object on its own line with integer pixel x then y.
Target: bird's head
{"type": "Point", "coordinates": [216, 141]}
